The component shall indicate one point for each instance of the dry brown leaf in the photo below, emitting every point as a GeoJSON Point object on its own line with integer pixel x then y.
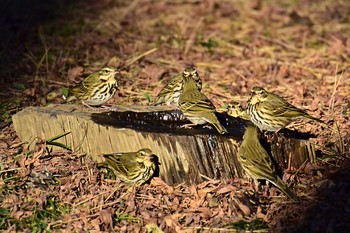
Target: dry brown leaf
{"type": "Point", "coordinates": [153, 228]}
{"type": "Point", "coordinates": [244, 208]}
{"type": "Point", "coordinates": [106, 217]}
{"type": "Point", "coordinates": [225, 189]}
{"type": "Point", "coordinates": [73, 73]}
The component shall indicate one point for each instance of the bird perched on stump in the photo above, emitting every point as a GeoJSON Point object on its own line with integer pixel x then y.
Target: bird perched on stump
{"type": "Point", "coordinates": [271, 112]}
{"type": "Point", "coordinates": [172, 91]}
{"type": "Point", "coordinates": [235, 109]}
{"type": "Point", "coordinates": [96, 89]}
{"type": "Point", "coordinates": [197, 107]}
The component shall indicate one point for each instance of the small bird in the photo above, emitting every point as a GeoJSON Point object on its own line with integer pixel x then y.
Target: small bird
{"type": "Point", "coordinates": [271, 112]}
{"type": "Point", "coordinates": [197, 107]}
{"type": "Point", "coordinates": [96, 89]}
{"type": "Point", "coordinates": [257, 163]}
{"type": "Point", "coordinates": [235, 109]}
{"type": "Point", "coordinates": [132, 167]}
{"type": "Point", "coordinates": [172, 91]}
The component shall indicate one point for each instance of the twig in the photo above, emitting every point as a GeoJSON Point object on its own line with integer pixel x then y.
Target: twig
{"type": "Point", "coordinates": [220, 229]}
{"type": "Point", "coordinates": [238, 73]}
{"type": "Point", "coordinates": [60, 222]}
{"type": "Point", "coordinates": [283, 44]}
{"type": "Point", "coordinates": [206, 64]}
{"type": "Point", "coordinates": [192, 38]}
{"type": "Point", "coordinates": [9, 170]}
{"type": "Point", "coordinates": [88, 199]}
{"type": "Point", "coordinates": [335, 87]}
{"type": "Point", "coordinates": [135, 59]}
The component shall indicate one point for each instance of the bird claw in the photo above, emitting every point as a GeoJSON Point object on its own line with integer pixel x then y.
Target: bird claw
{"type": "Point", "coordinates": [270, 138]}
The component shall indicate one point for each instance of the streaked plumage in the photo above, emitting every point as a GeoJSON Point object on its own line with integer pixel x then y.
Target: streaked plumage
{"type": "Point", "coordinates": [197, 107]}
{"type": "Point", "coordinates": [97, 88]}
{"type": "Point", "coordinates": [133, 167]}
{"type": "Point", "coordinates": [271, 112]}
{"type": "Point", "coordinates": [172, 91]}
{"type": "Point", "coordinates": [257, 163]}
{"type": "Point", "coordinates": [235, 109]}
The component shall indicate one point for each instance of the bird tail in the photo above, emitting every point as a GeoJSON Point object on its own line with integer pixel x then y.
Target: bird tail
{"type": "Point", "coordinates": [158, 101]}
{"type": "Point", "coordinates": [284, 188]}
{"type": "Point", "coordinates": [314, 118]}
{"type": "Point", "coordinates": [221, 129]}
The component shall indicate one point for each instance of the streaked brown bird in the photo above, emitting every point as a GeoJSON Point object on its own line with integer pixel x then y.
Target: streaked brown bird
{"type": "Point", "coordinates": [96, 89]}
{"type": "Point", "coordinates": [271, 112]}
{"type": "Point", "coordinates": [197, 107]}
{"type": "Point", "coordinates": [172, 91]}
{"type": "Point", "coordinates": [235, 109]}
{"type": "Point", "coordinates": [132, 167]}
{"type": "Point", "coordinates": [257, 163]}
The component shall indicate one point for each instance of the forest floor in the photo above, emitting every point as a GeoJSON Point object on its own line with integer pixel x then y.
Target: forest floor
{"type": "Point", "coordinates": [297, 49]}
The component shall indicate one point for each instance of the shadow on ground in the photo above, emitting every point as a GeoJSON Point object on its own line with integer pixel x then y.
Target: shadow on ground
{"type": "Point", "coordinates": [331, 212]}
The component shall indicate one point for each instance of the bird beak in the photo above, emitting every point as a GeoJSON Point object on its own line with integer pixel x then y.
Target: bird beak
{"type": "Point", "coordinates": [153, 158]}
{"type": "Point", "coordinates": [116, 72]}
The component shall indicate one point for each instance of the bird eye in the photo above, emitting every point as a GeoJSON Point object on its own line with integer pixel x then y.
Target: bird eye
{"type": "Point", "coordinates": [106, 71]}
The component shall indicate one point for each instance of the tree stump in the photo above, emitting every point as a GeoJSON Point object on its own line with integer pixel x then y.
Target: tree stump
{"type": "Point", "coordinates": [185, 155]}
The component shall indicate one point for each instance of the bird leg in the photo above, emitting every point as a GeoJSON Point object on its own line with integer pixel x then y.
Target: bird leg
{"type": "Point", "coordinates": [89, 106]}
{"type": "Point", "coordinates": [208, 126]}
{"type": "Point", "coordinates": [266, 188]}
{"type": "Point", "coordinates": [270, 137]}
{"type": "Point", "coordinates": [187, 126]}
{"type": "Point", "coordinates": [131, 192]}
{"type": "Point", "coordinates": [106, 107]}
{"type": "Point", "coordinates": [256, 186]}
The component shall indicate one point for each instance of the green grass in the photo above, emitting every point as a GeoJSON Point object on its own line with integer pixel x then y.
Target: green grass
{"type": "Point", "coordinates": [256, 224]}
{"type": "Point", "coordinates": [40, 218]}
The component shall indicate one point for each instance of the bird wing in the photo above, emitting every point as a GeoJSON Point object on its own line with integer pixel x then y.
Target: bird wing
{"type": "Point", "coordinates": [79, 89]}
{"type": "Point", "coordinates": [172, 89]}
{"type": "Point", "coordinates": [196, 101]}
{"type": "Point", "coordinates": [255, 158]}
{"type": "Point", "coordinates": [85, 85]}
{"type": "Point", "coordinates": [121, 163]}
{"type": "Point", "coordinates": [175, 83]}
{"type": "Point", "coordinates": [281, 108]}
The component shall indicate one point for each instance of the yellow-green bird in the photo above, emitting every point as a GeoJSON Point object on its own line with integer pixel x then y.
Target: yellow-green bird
{"type": "Point", "coordinates": [197, 107]}
{"type": "Point", "coordinates": [132, 167]}
{"type": "Point", "coordinates": [235, 109]}
{"type": "Point", "coordinates": [172, 91]}
{"type": "Point", "coordinates": [271, 112]}
{"type": "Point", "coordinates": [96, 89]}
{"type": "Point", "coordinates": [257, 163]}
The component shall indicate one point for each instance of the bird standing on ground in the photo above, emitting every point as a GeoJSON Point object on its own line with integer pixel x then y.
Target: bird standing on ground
{"type": "Point", "coordinates": [96, 89]}
{"type": "Point", "coordinates": [197, 107]}
{"type": "Point", "coordinates": [257, 163]}
{"type": "Point", "coordinates": [271, 112]}
{"type": "Point", "coordinates": [133, 167]}
{"type": "Point", "coordinates": [235, 109]}
{"type": "Point", "coordinates": [172, 91]}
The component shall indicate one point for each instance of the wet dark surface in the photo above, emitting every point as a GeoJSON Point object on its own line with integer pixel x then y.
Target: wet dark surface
{"type": "Point", "coordinates": [167, 122]}
{"type": "Point", "coordinates": [171, 122]}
